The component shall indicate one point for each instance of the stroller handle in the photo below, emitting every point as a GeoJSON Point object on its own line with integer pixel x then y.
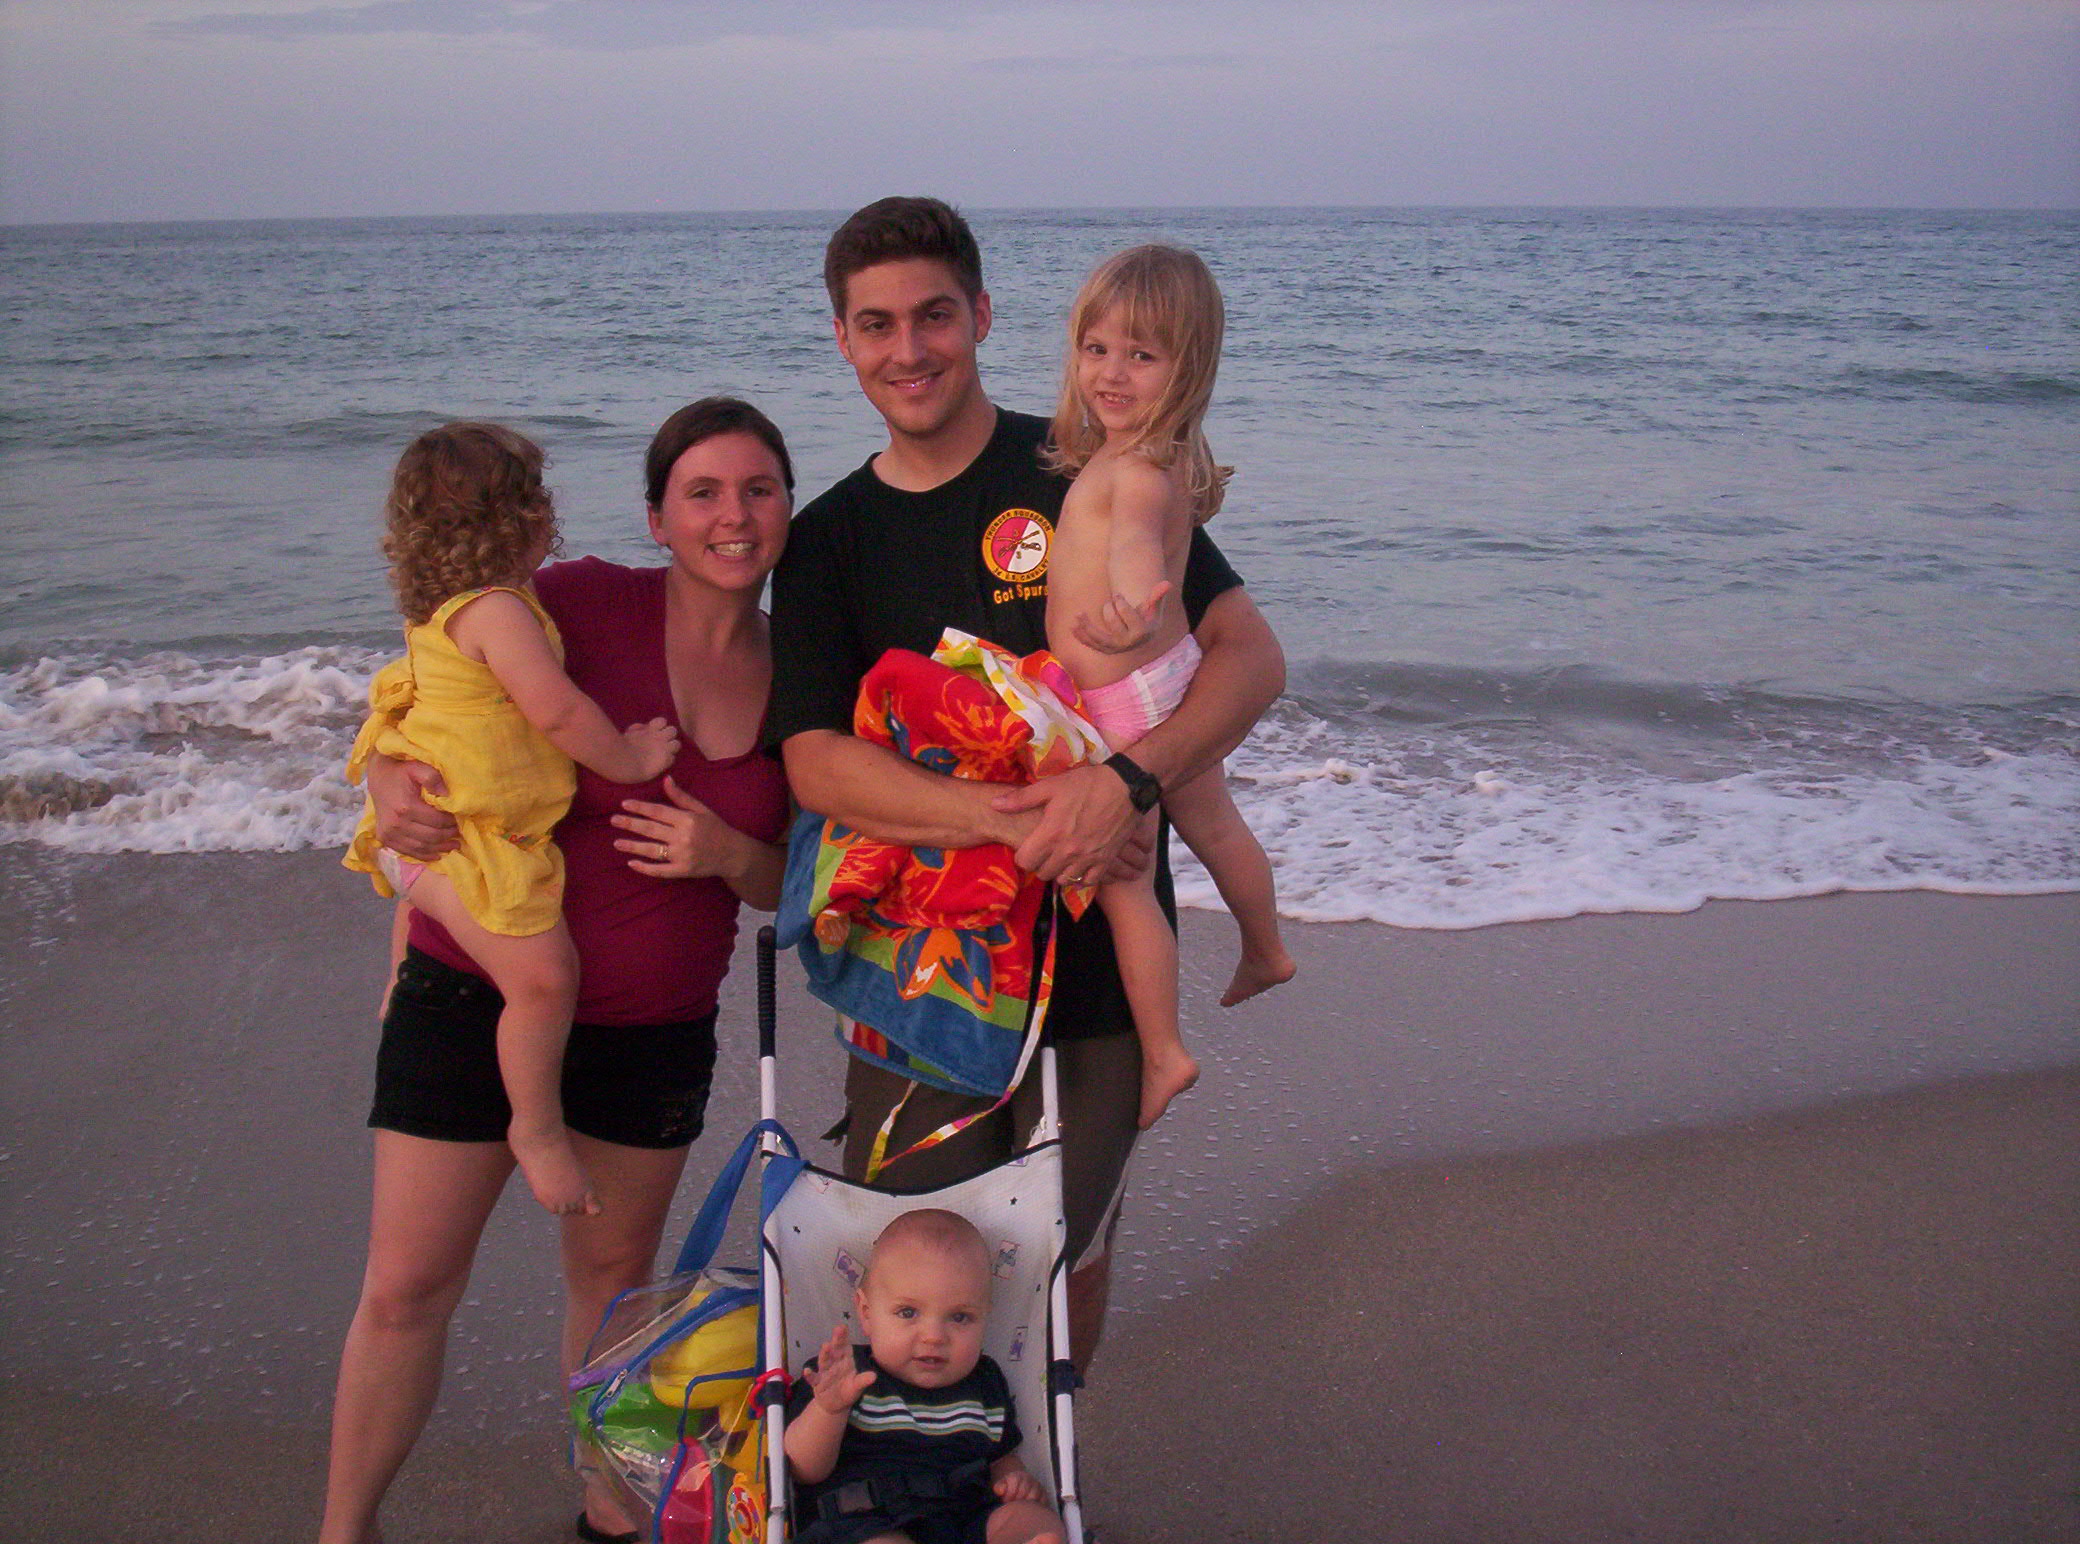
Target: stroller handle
{"type": "Point", "coordinates": [767, 1008]}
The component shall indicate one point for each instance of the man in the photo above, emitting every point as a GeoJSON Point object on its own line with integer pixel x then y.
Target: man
{"type": "Point", "coordinates": [949, 525]}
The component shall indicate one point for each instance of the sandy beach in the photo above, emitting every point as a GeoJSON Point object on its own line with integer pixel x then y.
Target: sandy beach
{"type": "Point", "coordinates": [1756, 1223]}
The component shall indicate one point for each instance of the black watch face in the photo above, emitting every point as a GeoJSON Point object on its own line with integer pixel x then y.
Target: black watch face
{"type": "Point", "coordinates": [1143, 791]}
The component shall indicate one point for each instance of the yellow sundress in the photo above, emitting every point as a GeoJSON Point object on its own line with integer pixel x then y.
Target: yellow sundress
{"type": "Point", "coordinates": [507, 785]}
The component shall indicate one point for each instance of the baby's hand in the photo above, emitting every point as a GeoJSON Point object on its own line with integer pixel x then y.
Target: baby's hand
{"type": "Point", "coordinates": [654, 745]}
{"type": "Point", "coordinates": [836, 1384]}
{"type": "Point", "coordinates": [1119, 626]}
{"type": "Point", "coordinates": [1018, 1485]}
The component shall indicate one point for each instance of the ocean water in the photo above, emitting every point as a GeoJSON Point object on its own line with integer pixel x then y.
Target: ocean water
{"type": "Point", "coordinates": [1623, 559]}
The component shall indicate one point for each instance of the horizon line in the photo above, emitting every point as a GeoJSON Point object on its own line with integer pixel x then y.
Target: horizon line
{"type": "Point", "coordinates": [10, 225]}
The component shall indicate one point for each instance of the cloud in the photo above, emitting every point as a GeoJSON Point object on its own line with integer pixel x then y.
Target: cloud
{"type": "Point", "coordinates": [142, 109]}
{"type": "Point", "coordinates": [618, 25]}
{"type": "Point", "coordinates": [1069, 62]}
{"type": "Point", "coordinates": [611, 25]}
{"type": "Point", "coordinates": [438, 18]}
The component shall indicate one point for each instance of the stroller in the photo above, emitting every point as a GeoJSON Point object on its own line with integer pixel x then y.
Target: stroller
{"type": "Point", "coordinates": [685, 1424]}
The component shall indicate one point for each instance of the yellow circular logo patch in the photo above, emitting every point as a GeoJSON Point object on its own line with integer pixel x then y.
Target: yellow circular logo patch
{"type": "Point", "coordinates": [1015, 545]}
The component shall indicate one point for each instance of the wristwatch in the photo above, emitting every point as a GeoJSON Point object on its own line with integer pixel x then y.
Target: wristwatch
{"type": "Point", "coordinates": [1143, 791]}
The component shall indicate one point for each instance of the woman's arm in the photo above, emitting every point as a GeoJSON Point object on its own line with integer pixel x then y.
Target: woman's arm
{"type": "Point", "coordinates": [499, 629]}
{"type": "Point", "coordinates": [405, 822]}
{"type": "Point", "coordinates": [686, 840]}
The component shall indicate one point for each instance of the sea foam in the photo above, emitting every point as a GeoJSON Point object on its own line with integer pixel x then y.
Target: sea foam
{"type": "Point", "coordinates": [173, 753]}
{"type": "Point", "coordinates": [1464, 826]}
{"type": "Point", "coordinates": [1453, 824]}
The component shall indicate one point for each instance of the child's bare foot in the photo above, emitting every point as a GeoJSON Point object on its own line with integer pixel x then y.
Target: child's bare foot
{"type": "Point", "coordinates": [553, 1171]}
{"type": "Point", "coordinates": [1257, 973]}
{"type": "Point", "coordinates": [1164, 1075]}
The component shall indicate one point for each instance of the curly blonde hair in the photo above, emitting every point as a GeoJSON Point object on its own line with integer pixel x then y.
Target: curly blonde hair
{"type": "Point", "coordinates": [1167, 296]}
{"type": "Point", "coordinates": [467, 509]}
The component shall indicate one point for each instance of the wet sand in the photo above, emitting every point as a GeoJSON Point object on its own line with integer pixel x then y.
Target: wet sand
{"type": "Point", "coordinates": [1754, 1224]}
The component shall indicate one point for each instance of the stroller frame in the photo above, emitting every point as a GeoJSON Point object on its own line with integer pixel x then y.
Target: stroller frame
{"type": "Point", "coordinates": [1057, 1373]}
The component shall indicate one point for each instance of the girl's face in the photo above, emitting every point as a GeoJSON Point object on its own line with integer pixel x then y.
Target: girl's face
{"type": "Point", "coordinates": [725, 510]}
{"type": "Point", "coordinates": [1121, 378]}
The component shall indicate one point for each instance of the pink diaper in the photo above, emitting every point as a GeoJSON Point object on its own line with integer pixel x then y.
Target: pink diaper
{"type": "Point", "coordinates": [402, 873]}
{"type": "Point", "coordinates": [1127, 710]}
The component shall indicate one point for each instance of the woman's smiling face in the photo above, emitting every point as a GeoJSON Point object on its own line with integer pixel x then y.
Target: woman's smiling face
{"type": "Point", "coordinates": [724, 512]}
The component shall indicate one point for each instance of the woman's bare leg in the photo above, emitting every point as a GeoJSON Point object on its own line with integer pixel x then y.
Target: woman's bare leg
{"type": "Point", "coordinates": [538, 977]}
{"type": "Point", "coordinates": [1147, 951]}
{"type": "Point", "coordinates": [1206, 817]}
{"type": "Point", "coordinates": [400, 936]}
{"type": "Point", "coordinates": [607, 1253]}
{"type": "Point", "coordinates": [430, 1205]}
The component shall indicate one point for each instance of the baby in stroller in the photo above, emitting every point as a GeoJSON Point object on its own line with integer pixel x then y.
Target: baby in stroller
{"type": "Point", "coordinates": [912, 1438]}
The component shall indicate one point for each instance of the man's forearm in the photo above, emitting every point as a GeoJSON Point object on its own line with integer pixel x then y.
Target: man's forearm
{"type": "Point", "coordinates": [1241, 675]}
{"type": "Point", "coordinates": [872, 789]}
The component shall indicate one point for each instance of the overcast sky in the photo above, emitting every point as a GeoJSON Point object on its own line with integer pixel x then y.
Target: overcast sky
{"type": "Point", "coordinates": [184, 109]}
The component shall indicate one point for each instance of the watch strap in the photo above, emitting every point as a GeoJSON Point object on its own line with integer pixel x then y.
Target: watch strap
{"type": "Point", "coordinates": [1143, 791]}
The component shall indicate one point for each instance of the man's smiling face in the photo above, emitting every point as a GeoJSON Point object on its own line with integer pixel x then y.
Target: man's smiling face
{"type": "Point", "coordinates": [909, 332]}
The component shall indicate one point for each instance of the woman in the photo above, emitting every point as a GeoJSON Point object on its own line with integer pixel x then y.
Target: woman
{"type": "Point", "coordinates": [651, 895]}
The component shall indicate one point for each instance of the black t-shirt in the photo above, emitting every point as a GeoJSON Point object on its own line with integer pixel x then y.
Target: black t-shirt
{"type": "Point", "coordinates": [871, 568]}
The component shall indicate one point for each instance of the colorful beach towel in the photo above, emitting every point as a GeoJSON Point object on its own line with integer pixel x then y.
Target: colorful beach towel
{"type": "Point", "coordinates": [930, 952]}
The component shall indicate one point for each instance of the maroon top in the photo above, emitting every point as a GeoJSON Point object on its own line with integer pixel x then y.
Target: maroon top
{"type": "Point", "coordinates": [651, 951]}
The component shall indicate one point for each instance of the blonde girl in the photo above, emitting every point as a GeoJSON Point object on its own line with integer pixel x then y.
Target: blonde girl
{"type": "Point", "coordinates": [481, 696]}
{"type": "Point", "coordinates": [1144, 344]}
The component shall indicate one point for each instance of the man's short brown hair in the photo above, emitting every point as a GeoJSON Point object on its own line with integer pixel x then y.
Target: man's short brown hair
{"type": "Point", "coordinates": [890, 230]}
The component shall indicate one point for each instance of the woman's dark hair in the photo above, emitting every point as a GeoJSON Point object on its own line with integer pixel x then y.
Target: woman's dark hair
{"type": "Point", "coordinates": [890, 230]}
{"type": "Point", "coordinates": [703, 420]}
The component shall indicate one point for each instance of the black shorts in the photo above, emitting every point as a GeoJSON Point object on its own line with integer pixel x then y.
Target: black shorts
{"type": "Point", "coordinates": [636, 1085]}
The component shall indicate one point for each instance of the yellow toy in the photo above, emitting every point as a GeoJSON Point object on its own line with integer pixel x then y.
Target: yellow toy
{"type": "Point", "coordinates": [721, 1345]}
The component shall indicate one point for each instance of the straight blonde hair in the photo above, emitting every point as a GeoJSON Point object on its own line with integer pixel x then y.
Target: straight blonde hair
{"type": "Point", "coordinates": [1167, 296]}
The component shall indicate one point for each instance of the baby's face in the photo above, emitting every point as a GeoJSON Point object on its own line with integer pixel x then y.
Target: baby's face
{"type": "Point", "coordinates": [923, 1312]}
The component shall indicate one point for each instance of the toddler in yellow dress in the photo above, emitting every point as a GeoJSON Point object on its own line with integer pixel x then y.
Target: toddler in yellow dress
{"type": "Point", "coordinates": [482, 697]}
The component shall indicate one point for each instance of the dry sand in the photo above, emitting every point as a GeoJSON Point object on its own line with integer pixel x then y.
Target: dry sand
{"type": "Point", "coordinates": [1754, 1224]}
